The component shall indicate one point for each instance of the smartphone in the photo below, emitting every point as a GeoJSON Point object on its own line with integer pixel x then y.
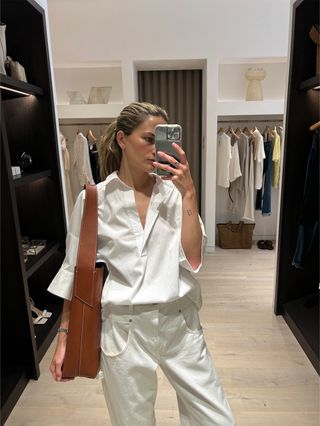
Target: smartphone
{"type": "Point", "coordinates": [165, 135]}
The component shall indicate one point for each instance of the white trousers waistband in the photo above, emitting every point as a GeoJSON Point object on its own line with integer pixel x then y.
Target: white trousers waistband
{"type": "Point", "coordinates": [173, 306]}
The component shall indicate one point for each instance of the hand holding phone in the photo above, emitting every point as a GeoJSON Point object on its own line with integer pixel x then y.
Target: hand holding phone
{"type": "Point", "coordinates": [165, 135]}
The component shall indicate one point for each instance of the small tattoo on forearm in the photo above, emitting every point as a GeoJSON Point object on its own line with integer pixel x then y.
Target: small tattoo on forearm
{"type": "Point", "coordinates": [189, 212]}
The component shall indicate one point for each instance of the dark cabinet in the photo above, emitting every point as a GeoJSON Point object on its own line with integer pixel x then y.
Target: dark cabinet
{"type": "Point", "coordinates": [31, 204]}
{"type": "Point", "coordinates": [297, 290]}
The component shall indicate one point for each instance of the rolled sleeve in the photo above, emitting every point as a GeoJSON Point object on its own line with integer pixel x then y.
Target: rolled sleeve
{"type": "Point", "coordinates": [62, 283]}
{"type": "Point", "coordinates": [183, 261]}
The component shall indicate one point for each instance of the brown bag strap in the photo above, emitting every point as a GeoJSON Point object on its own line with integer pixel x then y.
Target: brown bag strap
{"type": "Point", "coordinates": [87, 248]}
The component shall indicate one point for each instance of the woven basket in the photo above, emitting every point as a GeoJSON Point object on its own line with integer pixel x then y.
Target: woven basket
{"type": "Point", "coordinates": [235, 235]}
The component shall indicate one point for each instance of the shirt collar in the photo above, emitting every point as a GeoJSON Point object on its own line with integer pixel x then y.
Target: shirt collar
{"type": "Point", "coordinates": [162, 187]}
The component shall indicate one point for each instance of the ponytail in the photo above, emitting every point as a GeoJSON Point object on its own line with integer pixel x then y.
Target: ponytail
{"type": "Point", "coordinates": [110, 153]}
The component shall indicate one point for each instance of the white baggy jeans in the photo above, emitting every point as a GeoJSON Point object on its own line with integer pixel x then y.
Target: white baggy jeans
{"type": "Point", "coordinates": [135, 340]}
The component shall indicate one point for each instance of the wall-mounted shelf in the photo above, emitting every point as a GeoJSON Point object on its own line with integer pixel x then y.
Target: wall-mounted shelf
{"type": "Point", "coordinates": [34, 262]}
{"type": "Point", "coordinates": [45, 332]}
{"type": "Point", "coordinates": [82, 77]}
{"type": "Point", "coordinates": [12, 88]}
{"type": "Point", "coordinates": [233, 83]}
{"type": "Point", "coordinates": [236, 107]}
{"type": "Point", "coordinates": [311, 83]}
{"type": "Point", "coordinates": [85, 111]}
{"type": "Point", "coordinates": [29, 177]}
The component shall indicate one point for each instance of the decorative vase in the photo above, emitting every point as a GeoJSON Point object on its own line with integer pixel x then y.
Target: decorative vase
{"type": "Point", "coordinates": [75, 97]}
{"type": "Point", "coordinates": [3, 48]}
{"type": "Point", "coordinates": [254, 89]}
{"type": "Point", "coordinates": [99, 95]}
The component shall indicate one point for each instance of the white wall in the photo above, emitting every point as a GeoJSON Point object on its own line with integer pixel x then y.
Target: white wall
{"type": "Point", "coordinates": [145, 30]}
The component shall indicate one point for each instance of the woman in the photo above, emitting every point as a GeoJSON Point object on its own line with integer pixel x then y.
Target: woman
{"type": "Point", "coordinates": [152, 239]}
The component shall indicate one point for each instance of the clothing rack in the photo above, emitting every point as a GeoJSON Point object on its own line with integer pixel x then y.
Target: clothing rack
{"type": "Point", "coordinates": [84, 124]}
{"type": "Point", "coordinates": [250, 121]}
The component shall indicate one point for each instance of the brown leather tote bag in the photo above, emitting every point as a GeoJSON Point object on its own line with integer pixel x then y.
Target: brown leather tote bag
{"type": "Point", "coordinates": [82, 358]}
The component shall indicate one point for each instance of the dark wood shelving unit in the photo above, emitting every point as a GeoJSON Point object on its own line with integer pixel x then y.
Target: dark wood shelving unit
{"type": "Point", "coordinates": [303, 317]}
{"type": "Point", "coordinates": [31, 204]}
{"type": "Point", "coordinates": [14, 382]}
{"type": "Point", "coordinates": [297, 289]}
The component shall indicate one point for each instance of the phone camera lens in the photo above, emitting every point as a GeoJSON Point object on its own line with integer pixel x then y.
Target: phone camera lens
{"type": "Point", "coordinates": [173, 133]}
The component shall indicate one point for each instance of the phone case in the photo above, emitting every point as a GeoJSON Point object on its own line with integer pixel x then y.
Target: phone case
{"type": "Point", "coordinates": [165, 135]}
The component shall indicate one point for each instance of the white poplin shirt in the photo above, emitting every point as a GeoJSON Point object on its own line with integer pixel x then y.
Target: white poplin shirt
{"type": "Point", "coordinates": [146, 265]}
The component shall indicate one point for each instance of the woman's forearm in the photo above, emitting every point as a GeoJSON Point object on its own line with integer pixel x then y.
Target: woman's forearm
{"type": "Point", "coordinates": [191, 234]}
{"type": "Point", "coordinates": [64, 323]}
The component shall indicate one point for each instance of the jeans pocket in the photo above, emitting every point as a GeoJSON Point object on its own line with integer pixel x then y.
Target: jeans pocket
{"type": "Point", "coordinates": [115, 335]}
{"type": "Point", "coordinates": [191, 319]}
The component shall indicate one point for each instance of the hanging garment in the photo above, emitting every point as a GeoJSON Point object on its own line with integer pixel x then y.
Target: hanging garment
{"type": "Point", "coordinates": [243, 146]}
{"type": "Point", "coordinates": [249, 185]}
{"type": "Point", "coordinates": [75, 185]}
{"type": "Point", "coordinates": [94, 162]}
{"type": "Point", "coordinates": [223, 160]}
{"type": "Point", "coordinates": [309, 216]}
{"type": "Point", "coordinates": [258, 156]}
{"type": "Point", "coordinates": [237, 188]}
{"type": "Point", "coordinates": [81, 160]}
{"type": "Point", "coordinates": [66, 164]}
{"type": "Point", "coordinates": [276, 155]}
{"type": "Point", "coordinates": [263, 199]}
{"type": "Point", "coordinates": [234, 165]}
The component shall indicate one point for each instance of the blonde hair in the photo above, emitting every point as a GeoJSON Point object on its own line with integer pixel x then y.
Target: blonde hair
{"type": "Point", "coordinates": [110, 153]}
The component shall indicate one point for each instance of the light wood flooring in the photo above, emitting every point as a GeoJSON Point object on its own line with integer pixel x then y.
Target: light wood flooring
{"type": "Point", "coordinates": [266, 376]}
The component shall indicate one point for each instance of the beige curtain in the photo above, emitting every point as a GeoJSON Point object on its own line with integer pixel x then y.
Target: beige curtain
{"type": "Point", "coordinates": [180, 94]}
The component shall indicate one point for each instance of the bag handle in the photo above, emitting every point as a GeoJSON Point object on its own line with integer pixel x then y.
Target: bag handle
{"type": "Point", "coordinates": [235, 227]}
{"type": "Point", "coordinates": [87, 248]}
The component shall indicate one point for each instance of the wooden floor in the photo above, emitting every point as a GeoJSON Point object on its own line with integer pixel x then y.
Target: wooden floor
{"type": "Point", "coordinates": [267, 378]}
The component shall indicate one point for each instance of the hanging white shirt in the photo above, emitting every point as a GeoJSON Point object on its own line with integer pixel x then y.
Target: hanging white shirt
{"type": "Point", "coordinates": [146, 265]}
{"type": "Point", "coordinates": [81, 160]}
{"type": "Point", "coordinates": [224, 157]}
{"type": "Point", "coordinates": [66, 163]}
{"type": "Point", "coordinates": [258, 156]}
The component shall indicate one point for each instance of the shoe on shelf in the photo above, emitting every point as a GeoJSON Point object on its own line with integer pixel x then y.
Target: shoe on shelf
{"type": "Point", "coordinates": [37, 311]}
{"type": "Point", "coordinates": [39, 320]}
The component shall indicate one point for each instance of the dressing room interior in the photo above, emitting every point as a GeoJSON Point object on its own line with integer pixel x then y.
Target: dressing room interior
{"type": "Point", "coordinates": [242, 79]}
